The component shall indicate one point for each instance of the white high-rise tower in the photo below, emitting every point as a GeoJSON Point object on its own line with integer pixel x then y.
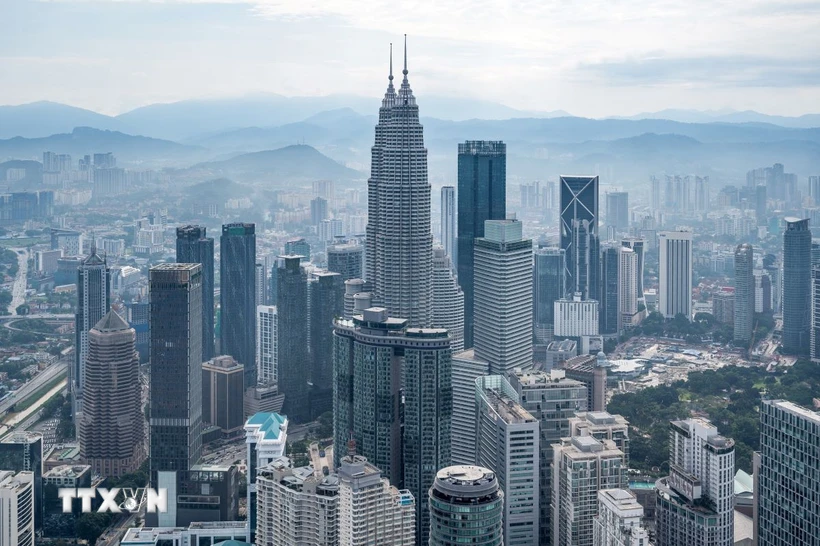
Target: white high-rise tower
{"type": "Point", "coordinates": [675, 291]}
{"type": "Point", "coordinates": [399, 252]}
{"type": "Point", "coordinates": [448, 300]}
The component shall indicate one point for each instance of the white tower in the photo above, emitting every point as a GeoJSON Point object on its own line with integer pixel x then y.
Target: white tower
{"type": "Point", "coordinates": [448, 300]}
{"type": "Point", "coordinates": [448, 221]}
{"type": "Point", "coordinates": [675, 290]}
{"type": "Point", "coordinates": [627, 287]}
{"type": "Point", "coordinates": [266, 344]}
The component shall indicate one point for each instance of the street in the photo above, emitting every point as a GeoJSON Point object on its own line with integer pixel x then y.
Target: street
{"type": "Point", "coordinates": [18, 291]}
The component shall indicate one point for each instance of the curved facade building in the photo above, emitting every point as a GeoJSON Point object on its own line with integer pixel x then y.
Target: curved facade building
{"type": "Point", "coordinates": [448, 300]}
{"type": "Point", "coordinates": [466, 507]}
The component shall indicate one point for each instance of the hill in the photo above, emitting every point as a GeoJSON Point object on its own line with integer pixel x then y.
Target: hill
{"type": "Point", "coordinates": [38, 119]}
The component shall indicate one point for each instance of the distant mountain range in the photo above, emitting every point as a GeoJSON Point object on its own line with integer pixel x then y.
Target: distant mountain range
{"type": "Point", "coordinates": [729, 116]}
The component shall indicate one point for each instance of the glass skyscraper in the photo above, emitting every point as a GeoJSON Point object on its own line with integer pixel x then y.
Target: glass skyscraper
{"type": "Point", "coordinates": [293, 357]}
{"type": "Point", "coordinates": [608, 308]}
{"type": "Point", "coordinates": [237, 296]}
{"type": "Point", "coordinates": [466, 507]}
{"type": "Point", "coordinates": [326, 304]}
{"type": "Point", "coordinates": [548, 286]}
{"type": "Point", "coordinates": [482, 196]}
{"type": "Point", "coordinates": [796, 286]}
{"type": "Point", "coordinates": [193, 247]}
{"type": "Point", "coordinates": [579, 233]}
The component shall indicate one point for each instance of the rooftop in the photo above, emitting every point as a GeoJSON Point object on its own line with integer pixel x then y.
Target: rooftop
{"type": "Point", "coordinates": [269, 424]}
{"type": "Point", "coordinates": [799, 411]}
{"type": "Point", "coordinates": [508, 409]}
{"type": "Point", "coordinates": [112, 322]}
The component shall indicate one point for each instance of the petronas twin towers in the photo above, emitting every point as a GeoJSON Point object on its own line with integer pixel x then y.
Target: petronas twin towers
{"type": "Point", "coordinates": [399, 240]}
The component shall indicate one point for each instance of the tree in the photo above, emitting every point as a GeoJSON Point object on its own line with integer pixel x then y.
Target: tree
{"type": "Point", "coordinates": [90, 526]}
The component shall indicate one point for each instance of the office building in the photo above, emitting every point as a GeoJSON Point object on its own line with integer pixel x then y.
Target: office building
{"type": "Point", "coordinates": [482, 196]}
{"type": "Point", "coordinates": [262, 284]}
{"type": "Point", "coordinates": [608, 307]}
{"type": "Point", "coordinates": [675, 279]}
{"type": "Point", "coordinates": [293, 355]}
{"type": "Point", "coordinates": [548, 286]}
{"type": "Point", "coordinates": [655, 193]}
{"type": "Point", "coordinates": [576, 317]}
{"type": "Point", "coordinates": [330, 230]}
{"type": "Point", "coordinates": [508, 442]}
{"type": "Point", "coordinates": [266, 435]}
{"type": "Point", "coordinates": [617, 210]}
{"type": "Point", "coordinates": [399, 244]}
{"type": "Point", "coordinates": [16, 508]}
{"type": "Point", "coordinates": [591, 371]}
{"type": "Point", "coordinates": [796, 287]}
{"type": "Point", "coordinates": [346, 260]}
{"type": "Point", "coordinates": [267, 344]}
{"type": "Point", "coordinates": [193, 247]}
{"type": "Point", "coordinates": [744, 308]}
{"type": "Point", "coordinates": [814, 340]}
{"type": "Point", "coordinates": [559, 352]}
{"type": "Point", "coordinates": [226, 533]}
{"type": "Point", "coordinates": [326, 304]}
{"type": "Point", "coordinates": [466, 369]}
{"type": "Point", "coordinates": [763, 292]}
{"type": "Point", "coordinates": [579, 233]}
{"type": "Point", "coordinates": [466, 505]}
{"type": "Point", "coordinates": [318, 210]}
{"type": "Point", "coordinates": [70, 242]}
{"type": "Point", "coordinates": [618, 522]}
{"type": "Point", "coordinates": [93, 302]}
{"type": "Point", "coordinates": [581, 467]}
{"type": "Point", "coordinates": [627, 288]}
{"type": "Point", "coordinates": [23, 452]}
{"type": "Point", "coordinates": [296, 506]}
{"type": "Point", "coordinates": [371, 510]}
{"type": "Point", "coordinates": [638, 247]}
{"type": "Point", "coordinates": [503, 297]}
{"type": "Point", "coordinates": [298, 247]}
{"type": "Point", "coordinates": [788, 476]}
{"type": "Point", "coordinates": [552, 399]}
{"type": "Point", "coordinates": [176, 367]}
{"type": "Point", "coordinates": [237, 296]}
{"type": "Point", "coordinates": [602, 426]}
{"type": "Point", "coordinates": [223, 390]}
{"type": "Point", "coordinates": [448, 300]}
{"type": "Point", "coordinates": [111, 431]}
{"type": "Point", "coordinates": [356, 299]}
{"type": "Point", "coordinates": [695, 503]}
{"type": "Point", "coordinates": [324, 189]}
{"type": "Point", "coordinates": [448, 222]}
{"type": "Point", "coordinates": [45, 261]}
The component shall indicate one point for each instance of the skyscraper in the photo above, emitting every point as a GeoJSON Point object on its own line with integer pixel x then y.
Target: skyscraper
{"type": "Point", "coordinates": [579, 233]}
{"type": "Point", "coordinates": [627, 287]}
{"type": "Point", "coordinates": [796, 286]}
{"type": "Point", "coordinates": [318, 210]}
{"type": "Point", "coordinates": [655, 193]}
{"type": "Point", "coordinates": [222, 395]}
{"type": "Point", "coordinates": [93, 302]}
{"type": "Point", "coordinates": [675, 283]}
{"type": "Point", "coordinates": [293, 356]}
{"type": "Point", "coordinates": [346, 260]}
{"type": "Point", "coordinates": [503, 297]}
{"type": "Point", "coordinates": [267, 344]}
{"type": "Point", "coordinates": [788, 476]}
{"type": "Point", "coordinates": [448, 221]}
{"type": "Point", "coordinates": [399, 247]}
{"type": "Point", "coordinates": [608, 314]}
{"type": "Point", "coordinates": [482, 196]}
{"type": "Point", "coordinates": [448, 300]}
{"type": "Point", "coordinates": [744, 293]}
{"type": "Point", "coordinates": [237, 296]}
{"type": "Point", "coordinates": [618, 522]}
{"type": "Point", "coordinates": [262, 285]}
{"type": "Point", "coordinates": [617, 209]}
{"type": "Point", "coordinates": [638, 246]}
{"type": "Point", "coordinates": [466, 504]}
{"type": "Point", "coordinates": [193, 247]}
{"type": "Point", "coordinates": [508, 437]}
{"type": "Point", "coordinates": [111, 432]}
{"type": "Point", "coordinates": [548, 286]}
{"type": "Point", "coordinates": [23, 451]}
{"type": "Point", "coordinates": [695, 503]}
{"type": "Point", "coordinates": [17, 508]}
{"type": "Point", "coordinates": [176, 367]}
{"type": "Point", "coordinates": [760, 205]}
{"type": "Point", "coordinates": [326, 304]}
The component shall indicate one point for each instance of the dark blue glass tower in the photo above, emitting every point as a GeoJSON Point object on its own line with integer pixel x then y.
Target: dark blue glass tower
{"type": "Point", "coordinates": [193, 247]}
{"type": "Point", "coordinates": [579, 233]}
{"type": "Point", "coordinates": [292, 348]}
{"type": "Point", "coordinates": [237, 296]}
{"type": "Point", "coordinates": [796, 286]}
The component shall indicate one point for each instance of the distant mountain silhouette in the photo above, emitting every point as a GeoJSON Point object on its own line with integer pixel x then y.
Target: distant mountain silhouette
{"type": "Point", "coordinates": [806, 121]}
{"type": "Point", "coordinates": [39, 119]}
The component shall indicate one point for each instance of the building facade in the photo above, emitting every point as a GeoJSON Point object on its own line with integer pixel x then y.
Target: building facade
{"type": "Point", "coordinates": [579, 233]}
{"type": "Point", "coordinates": [448, 300]}
{"type": "Point", "coordinates": [347, 260]}
{"type": "Point", "coordinates": [549, 269]}
{"type": "Point", "coordinates": [618, 522]}
{"type": "Point", "coordinates": [194, 247]}
{"type": "Point", "coordinates": [466, 506]}
{"type": "Point", "coordinates": [293, 356]}
{"type": "Point", "coordinates": [16, 508]}
{"type": "Point", "coordinates": [223, 391]}
{"type": "Point", "coordinates": [627, 288]}
{"type": "Point", "coordinates": [675, 279]}
{"type": "Point", "coordinates": [448, 222]}
{"type": "Point", "coordinates": [237, 296]}
{"type": "Point", "coordinates": [796, 286]}
{"type": "Point", "coordinates": [267, 344]}
{"type": "Point", "coordinates": [326, 305]}
{"type": "Point", "coordinates": [744, 311]}
{"type": "Point", "coordinates": [617, 209]}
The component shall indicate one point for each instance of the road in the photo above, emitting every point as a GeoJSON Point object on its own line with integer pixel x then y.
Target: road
{"type": "Point", "coordinates": [115, 532]}
{"type": "Point", "coordinates": [32, 386]}
{"type": "Point", "coordinates": [43, 316]}
{"type": "Point", "coordinates": [18, 291]}
{"type": "Point", "coordinates": [32, 409]}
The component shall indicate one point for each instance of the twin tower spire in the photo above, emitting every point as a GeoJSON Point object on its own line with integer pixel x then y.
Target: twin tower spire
{"type": "Point", "coordinates": [404, 92]}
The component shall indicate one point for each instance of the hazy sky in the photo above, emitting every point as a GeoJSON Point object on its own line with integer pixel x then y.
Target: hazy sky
{"type": "Point", "coordinates": [590, 57]}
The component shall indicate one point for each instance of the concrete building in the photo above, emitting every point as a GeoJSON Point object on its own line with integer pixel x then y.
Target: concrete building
{"type": "Point", "coordinates": [111, 430]}
{"type": "Point", "coordinates": [225, 533]}
{"type": "Point", "coordinates": [262, 285]}
{"type": "Point", "coordinates": [298, 247]}
{"type": "Point", "coordinates": [675, 278]}
{"type": "Point", "coordinates": [763, 292]}
{"type": "Point", "coordinates": [627, 288]}
{"type": "Point", "coordinates": [266, 436]}
{"type": "Point", "coordinates": [723, 305]}
{"type": "Point", "coordinates": [617, 209]}
{"type": "Point", "coordinates": [559, 352]}
{"type": "Point", "coordinates": [618, 522]}
{"type": "Point", "coordinates": [264, 399]}
{"type": "Point", "coordinates": [576, 317]}
{"type": "Point", "coordinates": [23, 452]}
{"type": "Point", "coordinates": [448, 222]}
{"type": "Point", "coordinates": [267, 344]}
{"type": "Point", "coordinates": [237, 296]}
{"type": "Point", "coordinates": [744, 311]}
{"type": "Point", "coordinates": [695, 503]}
{"type": "Point", "coordinates": [796, 287]}
{"type": "Point", "coordinates": [591, 371]}
{"type": "Point", "coordinates": [45, 261]}
{"type": "Point", "coordinates": [466, 505]}
{"type": "Point", "coordinates": [16, 508]}
{"type": "Point", "coordinates": [581, 467]}
{"type": "Point", "coordinates": [448, 300]}
{"type": "Point", "coordinates": [503, 297]}
{"type": "Point", "coordinates": [787, 476]}
{"type": "Point", "coordinates": [222, 394]}
{"type": "Point", "coordinates": [602, 426]}
{"type": "Point", "coordinates": [508, 442]}
{"type": "Point", "coordinates": [466, 368]}
{"type": "Point", "coordinates": [346, 259]}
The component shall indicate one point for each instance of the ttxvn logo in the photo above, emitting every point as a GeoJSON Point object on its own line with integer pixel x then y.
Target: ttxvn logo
{"type": "Point", "coordinates": [131, 500]}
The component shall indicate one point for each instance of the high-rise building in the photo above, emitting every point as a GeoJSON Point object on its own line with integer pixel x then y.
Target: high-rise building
{"type": "Point", "coordinates": [176, 367]}
{"type": "Point", "coordinates": [591, 371]}
{"type": "Point", "coordinates": [466, 369]}
{"type": "Point", "coordinates": [374, 357]}
{"type": "Point", "coordinates": [293, 356]}
{"type": "Point", "coordinates": [466, 505]}
{"type": "Point", "coordinates": [788, 476]}
{"type": "Point", "coordinates": [618, 522]}
{"type": "Point", "coordinates": [576, 317]}
{"type": "Point", "coordinates": [324, 189]}
{"type": "Point", "coordinates": [552, 399]}
{"type": "Point", "coordinates": [448, 300]}
{"type": "Point", "coordinates": [267, 344]}
{"type": "Point", "coordinates": [237, 296]}
{"type": "Point", "coordinates": [193, 247]}
{"type": "Point", "coordinates": [262, 284]}
{"type": "Point", "coordinates": [579, 233]}
{"type": "Point", "coordinates": [298, 247]}
{"type": "Point", "coordinates": [581, 467]}
{"type": "Point", "coordinates": [548, 286]}
{"type": "Point", "coordinates": [695, 503]}
{"type": "Point", "coordinates": [266, 435]}
{"type": "Point", "coordinates": [760, 205]}
{"type": "Point", "coordinates": [399, 245]}
{"type": "Point", "coordinates": [17, 508]}
{"type": "Point", "coordinates": [627, 287]}
{"type": "Point", "coordinates": [508, 442]}
{"type": "Point", "coordinates": [602, 426]}
{"type": "Point", "coordinates": [111, 431]}
{"type": "Point", "coordinates": [93, 302]}
{"type": "Point", "coordinates": [326, 304]}
{"type": "Point", "coordinates": [796, 286]}
{"type": "Point", "coordinates": [638, 246]}
{"type": "Point", "coordinates": [655, 193]}
{"type": "Point", "coordinates": [675, 279]}
{"type": "Point", "coordinates": [608, 308]}
{"type": "Point", "coordinates": [448, 222]}
{"type": "Point", "coordinates": [744, 310]}
{"type": "Point", "coordinates": [814, 189]}
{"type": "Point", "coordinates": [318, 210]}
{"type": "Point", "coordinates": [371, 510]}
{"type": "Point", "coordinates": [617, 209]}
{"type": "Point", "coordinates": [763, 292]}
{"type": "Point", "coordinates": [223, 389]}
{"type": "Point", "coordinates": [814, 341]}
{"type": "Point", "coordinates": [482, 196]}
{"type": "Point", "coordinates": [346, 260]}
{"type": "Point", "coordinates": [23, 452]}
{"type": "Point", "coordinates": [503, 297]}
